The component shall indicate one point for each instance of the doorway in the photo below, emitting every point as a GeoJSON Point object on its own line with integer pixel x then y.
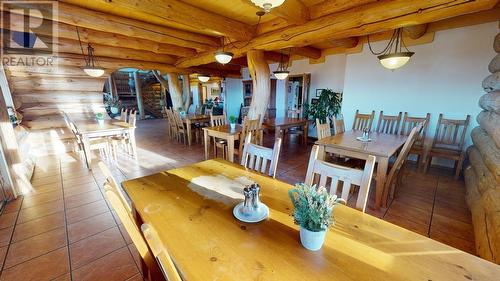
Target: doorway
{"type": "Point", "coordinates": [297, 93]}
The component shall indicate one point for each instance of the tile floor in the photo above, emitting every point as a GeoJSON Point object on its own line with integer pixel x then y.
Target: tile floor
{"type": "Point", "coordinates": [65, 230]}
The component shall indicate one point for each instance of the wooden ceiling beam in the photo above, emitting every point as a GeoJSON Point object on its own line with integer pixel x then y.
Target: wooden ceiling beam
{"type": "Point", "coordinates": [308, 52]}
{"type": "Point", "coordinates": [293, 11]}
{"type": "Point", "coordinates": [77, 16]}
{"type": "Point", "coordinates": [416, 31]}
{"type": "Point", "coordinates": [333, 6]}
{"type": "Point", "coordinates": [67, 31]}
{"type": "Point", "coordinates": [181, 14]}
{"type": "Point", "coordinates": [367, 19]}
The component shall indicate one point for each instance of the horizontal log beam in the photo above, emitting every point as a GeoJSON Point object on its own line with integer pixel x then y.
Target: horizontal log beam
{"type": "Point", "coordinates": [308, 52]}
{"type": "Point", "coordinates": [334, 6]}
{"type": "Point", "coordinates": [293, 11]}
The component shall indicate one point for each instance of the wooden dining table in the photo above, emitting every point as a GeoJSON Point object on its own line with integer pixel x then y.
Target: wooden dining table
{"type": "Point", "coordinates": [222, 132]}
{"type": "Point", "coordinates": [281, 124]}
{"type": "Point", "coordinates": [382, 146]}
{"type": "Point", "coordinates": [91, 129]}
{"type": "Point", "coordinates": [191, 210]}
{"type": "Point", "coordinates": [190, 119]}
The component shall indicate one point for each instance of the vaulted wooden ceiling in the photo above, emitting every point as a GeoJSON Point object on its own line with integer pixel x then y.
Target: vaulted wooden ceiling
{"type": "Point", "coordinates": [181, 36]}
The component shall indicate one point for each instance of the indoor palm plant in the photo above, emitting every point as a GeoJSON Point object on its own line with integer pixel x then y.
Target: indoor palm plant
{"type": "Point", "coordinates": [313, 213]}
{"type": "Point", "coordinates": [327, 106]}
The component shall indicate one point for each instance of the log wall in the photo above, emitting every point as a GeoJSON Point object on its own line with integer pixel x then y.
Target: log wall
{"type": "Point", "coordinates": [482, 177]}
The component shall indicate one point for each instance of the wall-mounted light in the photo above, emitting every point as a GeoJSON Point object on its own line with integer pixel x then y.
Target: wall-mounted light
{"type": "Point", "coordinates": [393, 56]}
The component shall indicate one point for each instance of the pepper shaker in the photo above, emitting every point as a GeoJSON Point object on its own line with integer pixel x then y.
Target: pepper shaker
{"type": "Point", "coordinates": [248, 204]}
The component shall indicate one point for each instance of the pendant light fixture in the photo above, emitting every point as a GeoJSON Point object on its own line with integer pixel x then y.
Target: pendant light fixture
{"type": "Point", "coordinates": [91, 66]}
{"type": "Point", "coordinates": [203, 78]}
{"type": "Point", "coordinates": [282, 72]}
{"type": "Point", "coordinates": [267, 5]}
{"type": "Point", "coordinates": [393, 56]}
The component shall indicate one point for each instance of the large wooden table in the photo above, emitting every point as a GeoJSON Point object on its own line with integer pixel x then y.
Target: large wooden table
{"type": "Point", "coordinates": [91, 129]}
{"type": "Point", "coordinates": [195, 223]}
{"type": "Point", "coordinates": [191, 119]}
{"type": "Point", "coordinates": [382, 146]}
{"type": "Point", "coordinates": [222, 132]}
{"type": "Point", "coordinates": [279, 125]}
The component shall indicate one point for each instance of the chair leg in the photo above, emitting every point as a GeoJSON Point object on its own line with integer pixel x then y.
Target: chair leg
{"type": "Point", "coordinates": [427, 164]}
{"type": "Point", "coordinates": [459, 167]}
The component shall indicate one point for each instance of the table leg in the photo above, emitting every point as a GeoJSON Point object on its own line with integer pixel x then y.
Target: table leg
{"type": "Point", "coordinates": [206, 139]}
{"type": "Point", "coordinates": [230, 148]}
{"type": "Point", "coordinates": [277, 133]}
{"type": "Point", "coordinates": [188, 127]}
{"type": "Point", "coordinates": [306, 128]}
{"type": "Point", "coordinates": [383, 163]}
{"type": "Point", "coordinates": [133, 144]}
{"type": "Point", "coordinates": [86, 151]}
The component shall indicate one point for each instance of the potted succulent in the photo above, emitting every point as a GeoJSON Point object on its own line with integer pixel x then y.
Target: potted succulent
{"type": "Point", "coordinates": [100, 118]}
{"type": "Point", "coordinates": [232, 121]}
{"type": "Point", "coordinates": [313, 213]}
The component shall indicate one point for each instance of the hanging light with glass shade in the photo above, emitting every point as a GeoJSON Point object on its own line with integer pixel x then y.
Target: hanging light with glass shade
{"type": "Point", "coordinates": [267, 5]}
{"type": "Point", "coordinates": [91, 67]}
{"type": "Point", "coordinates": [203, 78]}
{"type": "Point", "coordinates": [222, 56]}
{"type": "Point", "coordinates": [395, 54]}
{"type": "Point", "coordinates": [282, 72]}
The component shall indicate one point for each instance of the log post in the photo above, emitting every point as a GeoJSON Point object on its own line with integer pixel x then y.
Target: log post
{"type": "Point", "coordinates": [200, 95]}
{"type": "Point", "coordinates": [138, 92]}
{"type": "Point", "coordinates": [490, 122]}
{"type": "Point", "coordinates": [259, 71]}
{"type": "Point", "coordinates": [186, 89]}
{"type": "Point", "coordinates": [491, 101]}
{"type": "Point", "coordinates": [112, 87]}
{"type": "Point", "coordinates": [174, 87]}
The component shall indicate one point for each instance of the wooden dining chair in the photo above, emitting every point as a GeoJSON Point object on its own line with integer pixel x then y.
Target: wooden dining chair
{"type": "Point", "coordinates": [298, 131]}
{"type": "Point", "coordinates": [132, 117]}
{"type": "Point", "coordinates": [219, 144]}
{"type": "Point", "coordinates": [449, 142]}
{"type": "Point", "coordinates": [99, 143]}
{"type": "Point", "coordinates": [407, 125]}
{"type": "Point", "coordinates": [118, 202]}
{"type": "Point", "coordinates": [250, 127]}
{"type": "Point", "coordinates": [180, 128]}
{"type": "Point", "coordinates": [165, 262]}
{"type": "Point", "coordinates": [256, 157]}
{"type": "Point", "coordinates": [123, 114]}
{"type": "Point", "coordinates": [362, 121]}
{"type": "Point", "coordinates": [172, 125]}
{"type": "Point", "coordinates": [318, 172]}
{"type": "Point", "coordinates": [393, 180]}
{"type": "Point", "coordinates": [338, 124]}
{"type": "Point", "coordinates": [208, 111]}
{"type": "Point", "coordinates": [293, 113]}
{"type": "Point", "coordinates": [323, 130]}
{"type": "Point", "coordinates": [388, 124]}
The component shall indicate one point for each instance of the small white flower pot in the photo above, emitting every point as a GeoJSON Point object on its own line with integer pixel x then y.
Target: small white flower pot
{"type": "Point", "coordinates": [312, 240]}
{"type": "Point", "coordinates": [233, 126]}
{"type": "Point", "coordinates": [100, 121]}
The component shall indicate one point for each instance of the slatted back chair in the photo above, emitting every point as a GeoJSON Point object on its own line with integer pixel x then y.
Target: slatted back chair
{"type": "Point", "coordinates": [293, 113]}
{"type": "Point", "coordinates": [172, 125]}
{"type": "Point", "coordinates": [449, 141]}
{"type": "Point", "coordinates": [250, 127]}
{"type": "Point", "coordinates": [256, 157]}
{"type": "Point", "coordinates": [119, 204]}
{"type": "Point", "coordinates": [323, 130]}
{"type": "Point", "coordinates": [218, 120]}
{"type": "Point", "coordinates": [181, 129]}
{"type": "Point", "coordinates": [123, 114]}
{"type": "Point", "coordinates": [393, 180]}
{"type": "Point", "coordinates": [208, 111]}
{"type": "Point", "coordinates": [132, 117]}
{"type": "Point", "coordinates": [388, 124]}
{"type": "Point", "coordinates": [341, 176]}
{"type": "Point", "coordinates": [338, 124]}
{"type": "Point", "coordinates": [362, 121]}
{"type": "Point", "coordinates": [161, 254]}
{"type": "Point", "coordinates": [407, 125]}
{"type": "Point", "coordinates": [197, 111]}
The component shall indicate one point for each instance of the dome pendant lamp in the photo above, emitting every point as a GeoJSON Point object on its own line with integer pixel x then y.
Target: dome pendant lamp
{"type": "Point", "coordinates": [393, 56]}
{"type": "Point", "coordinates": [282, 72]}
{"type": "Point", "coordinates": [91, 67]}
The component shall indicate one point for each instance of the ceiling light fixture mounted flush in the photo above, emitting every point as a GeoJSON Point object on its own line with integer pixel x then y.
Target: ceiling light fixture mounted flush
{"type": "Point", "coordinates": [267, 5]}
{"type": "Point", "coordinates": [203, 78]}
{"type": "Point", "coordinates": [91, 67]}
{"type": "Point", "coordinates": [282, 72]}
{"type": "Point", "coordinates": [393, 56]}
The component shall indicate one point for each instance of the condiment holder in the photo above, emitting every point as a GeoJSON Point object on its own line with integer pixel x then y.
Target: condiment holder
{"type": "Point", "coordinates": [251, 210]}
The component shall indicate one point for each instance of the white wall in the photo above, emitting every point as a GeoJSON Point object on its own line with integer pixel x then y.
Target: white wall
{"type": "Point", "coordinates": [234, 96]}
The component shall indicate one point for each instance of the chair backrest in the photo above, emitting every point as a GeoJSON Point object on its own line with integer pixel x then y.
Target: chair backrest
{"type": "Point", "coordinates": [403, 154]}
{"type": "Point", "coordinates": [450, 133]}
{"type": "Point", "coordinates": [256, 157]}
{"type": "Point", "coordinates": [110, 180]}
{"type": "Point", "coordinates": [338, 124]}
{"type": "Point", "coordinates": [132, 118]}
{"type": "Point", "coordinates": [217, 120]}
{"type": "Point", "coordinates": [250, 127]}
{"type": "Point", "coordinates": [388, 124]}
{"type": "Point", "coordinates": [178, 120]}
{"type": "Point", "coordinates": [411, 122]}
{"type": "Point", "coordinates": [341, 176]}
{"type": "Point", "coordinates": [362, 121]}
{"type": "Point", "coordinates": [208, 111]}
{"type": "Point", "coordinates": [323, 130]}
{"type": "Point", "coordinates": [197, 111]}
{"type": "Point", "coordinates": [162, 256]}
{"type": "Point", "coordinates": [123, 114]}
{"type": "Point", "coordinates": [293, 113]}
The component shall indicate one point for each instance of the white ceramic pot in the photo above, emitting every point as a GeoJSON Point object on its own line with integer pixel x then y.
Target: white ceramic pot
{"type": "Point", "coordinates": [312, 240]}
{"type": "Point", "coordinates": [233, 126]}
{"type": "Point", "coordinates": [100, 121]}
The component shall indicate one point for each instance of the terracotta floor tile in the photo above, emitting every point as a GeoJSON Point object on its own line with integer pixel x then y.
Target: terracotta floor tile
{"type": "Point", "coordinates": [3, 253]}
{"type": "Point", "coordinates": [45, 267]}
{"type": "Point", "coordinates": [40, 210]}
{"type": "Point", "coordinates": [137, 277]}
{"type": "Point", "coordinates": [35, 246]}
{"type": "Point", "coordinates": [453, 211]}
{"type": "Point", "coordinates": [90, 226]}
{"type": "Point", "coordinates": [51, 187]}
{"type": "Point", "coordinates": [86, 211]}
{"type": "Point", "coordinates": [124, 232]}
{"type": "Point", "coordinates": [95, 247]}
{"type": "Point", "coordinates": [64, 277]}
{"type": "Point", "coordinates": [8, 220]}
{"type": "Point", "coordinates": [42, 198]}
{"type": "Point", "coordinates": [79, 189]}
{"type": "Point", "coordinates": [450, 239]}
{"type": "Point", "coordinates": [136, 255]}
{"type": "Point", "coordinates": [452, 227]}
{"type": "Point", "coordinates": [46, 180]}
{"type": "Point", "coordinates": [38, 226]}
{"type": "Point", "coordinates": [116, 266]}
{"type": "Point", "coordinates": [39, 173]}
{"type": "Point", "coordinates": [78, 181]}
{"type": "Point", "coordinates": [408, 224]}
{"type": "Point", "coordinates": [5, 235]}
{"type": "Point", "coordinates": [76, 174]}
{"type": "Point", "coordinates": [409, 212]}
{"type": "Point", "coordinates": [82, 199]}
{"type": "Point", "coordinates": [13, 206]}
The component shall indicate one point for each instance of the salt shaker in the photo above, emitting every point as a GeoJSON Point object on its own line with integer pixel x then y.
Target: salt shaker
{"type": "Point", "coordinates": [248, 204]}
{"type": "Point", "coordinates": [366, 134]}
{"type": "Point", "coordinates": [255, 196]}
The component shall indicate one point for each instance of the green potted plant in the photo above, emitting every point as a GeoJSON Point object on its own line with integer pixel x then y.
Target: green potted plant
{"type": "Point", "coordinates": [232, 121]}
{"type": "Point", "coordinates": [100, 118]}
{"type": "Point", "coordinates": [327, 106]}
{"type": "Point", "coordinates": [313, 213]}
